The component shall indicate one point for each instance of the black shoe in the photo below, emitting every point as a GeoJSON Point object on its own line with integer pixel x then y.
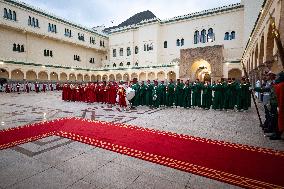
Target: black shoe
{"type": "Point", "coordinates": [265, 130]}
{"type": "Point", "coordinates": [275, 137]}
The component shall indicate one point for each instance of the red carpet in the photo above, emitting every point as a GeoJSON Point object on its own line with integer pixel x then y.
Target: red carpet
{"type": "Point", "coordinates": [241, 165]}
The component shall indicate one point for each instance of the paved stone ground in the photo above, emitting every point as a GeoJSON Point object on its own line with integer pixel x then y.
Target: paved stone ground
{"type": "Point", "coordinates": [56, 162]}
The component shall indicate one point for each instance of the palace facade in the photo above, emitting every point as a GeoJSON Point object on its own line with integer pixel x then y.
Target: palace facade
{"type": "Point", "coordinates": [209, 45]}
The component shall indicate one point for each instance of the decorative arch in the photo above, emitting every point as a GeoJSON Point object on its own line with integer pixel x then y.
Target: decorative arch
{"type": "Point", "coordinates": [151, 76]}
{"type": "Point", "coordinates": [269, 46]}
{"type": "Point", "coordinates": [105, 77]}
{"type": "Point", "coordinates": [261, 51]}
{"type": "Point", "coordinates": [63, 76]}
{"type": "Point", "coordinates": [134, 75]}
{"type": "Point", "coordinates": [4, 73]}
{"type": "Point", "coordinates": [53, 76]}
{"type": "Point", "coordinates": [42, 76]}
{"type": "Point", "coordinates": [235, 73]}
{"type": "Point", "coordinates": [118, 77]}
{"type": "Point", "coordinates": [72, 77]}
{"type": "Point", "coordinates": [79, 77]}
{"type": "Point", "coordinates": [93, 78]}
{"type": "Point", "coordinates": [171, 75]}
{"type": "Point", "coordinates": [142, 76]}
{"type": "Point", "coordinates": [31, 75]}
{"type": "Point", "coordinates": [161, 76]}
{"type": "Point", "coordinates": [17, 75]}
{"type": "Point", "coordinates": [111, 77]}
{"type": "Point", "coordinates": [86, 78]}
{"type": "Point", "coordinates": [99, 78]}
{"type": "Point", "coordinates": [256, 57]}
{"type": "Point", "coordinates": [126, 77]}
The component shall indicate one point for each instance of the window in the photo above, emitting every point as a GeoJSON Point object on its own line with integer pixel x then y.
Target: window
{"type": "Point", "coordinates": [77, 58]}
{"type": "Point", "coordinates": [47, 52]}
{"type": "Point", "coordinates": [145, 47]}
{"type": "Point", "coordinates": [114, 65]}
{"type": "Point", "coordinates": [136, 63]}
{"type": "Point", "coordinates": [196, 37]}
{"type": "Point", "coordinates": [68, 32]}
{"type": "Point", "coordinates": [50, 54]}
{"type": "Point", "coordinates": [121, 64]}
{"type": "Point", "coordinates": [30, 21]}
{"type": "Point", "coordinates": [102, 43]}
{"type": "Point", "coordinates": [37, 25]}
{"type": "Point", "coordinates": [114, 52]}
{"type": "Point", "coordinates": [182, 42]}
{"type": "Point", "coordinates": [136, 50]}
{"type": "Point", "coordinates": [128, 63]}
{"type": "Point", "coordinates": [121, 52]}
{"type": "Point", "coordinates": [33, 22]}
{"type": "Point", "coordinates": [81, 37]}
{"type": "Point", "coordinates": [92, 60]}
{"type": "Point", "coordinates": [52, 28]}
{"type": "Point", "coordinates": [18, 48]}
{"type": "Point", "coordinates": [178, 42]}
{"type": "Point", "coordinates": [233, 35]}
{"type": "Point", "coordinates": [128, 51]}
{"type": "Point", "coordinates": [203, 36]}
{"type": "Point", "coordinates": [9, 14]}
{"type": "Point", "coordinates": [165, 44]}
{"type": "Point", "coordinates": [92, 40]}
{"type": "Point", "coordinates": [227, 36]}
{"type": "Point", "coordinates": [210, 35]}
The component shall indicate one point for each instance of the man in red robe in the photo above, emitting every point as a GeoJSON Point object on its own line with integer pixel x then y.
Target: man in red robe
{"type": "Point", "coordinates": [36, 87]}
{"type": "Point", "coordinates": [279, 90]}
{"type": "Point", "coordinates": [122, 97]}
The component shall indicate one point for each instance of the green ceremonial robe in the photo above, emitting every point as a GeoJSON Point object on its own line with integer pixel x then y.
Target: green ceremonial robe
{"type": "Point", "coordinates": [136, 98]}
{"type": "Point", "coordinates": [170, 94]}
{"type": "Point", "coordinates": [187, 96]}
{"type": "Point", "coordinates": [207, 96]}
{"type": "Point", "coordinates": [196, 94]}
{"type": "Point", "coordinates": [162, 95]}
{"type": "Point", "coordinates": [149, 95]}
{"type": "Point", "coordinates": [142, 94]}
{"type": "Point", "coordinates": [156, 97]}
{"type": "Point", "coordinates": [179, 94]}
{"type": "Point", "coordinates": [217, 100]}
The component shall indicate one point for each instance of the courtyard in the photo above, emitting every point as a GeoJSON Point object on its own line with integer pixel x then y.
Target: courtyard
{"type": "Point", "coordinates": [57, 162]}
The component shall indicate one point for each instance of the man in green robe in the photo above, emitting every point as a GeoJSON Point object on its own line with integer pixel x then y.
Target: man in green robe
{"type": "Point", "coordinates": [243, 95]}
{"type": "Point", "coordinates": [142, 94]}
{"type": "Point", "coordinates": [156, 96]}
{"type": "Point", "coordinates": [149, 94]}
{"type": "Point", "coordinates": [217, 100]}
{"type": "Point", "coordinates": [136, 99]}
{"type": "Point", "coordinates": [207, 96]}
{"type": "Point", "coordinates": [162, 94]}
{"type": "Point", "coordinates": [187, 95]}
{"type": "Point", "coordinates": [170, 94]}
{"type": "Point", "coordinates": [196, 93]}
{"type": "Point", "coordinates": [179, 93]}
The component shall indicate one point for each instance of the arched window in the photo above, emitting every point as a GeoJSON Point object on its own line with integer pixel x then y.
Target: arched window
{"type": "Point", "coordinates": [196, 37]}
{"type": "Point", "coordinates": [18, 48]}
{"type": "Point", "coordinates": [33, 23]}
{"type": "Point", "coordinates": [114, 52]}
{"type": "Point", "coordinates": [5, 13]}
{"type": "Point", "coordinates": [128, 51]}
{"type": "Point", "coordinates": [227, 36]}
{"type": "Point", "coordinates": [210, 35]}
{"type": "Point", "coordinates": [136, 63]}
{"type": "Point", "coordinates": [203, 36]}
{"type": "Point", "coordinates": [136, 50]}
{"type": "Point", "coordinates": [30, 21]}
{"type": "Point", "coordinates": [165, 44]}
{"type": "Point", "coordinates": [121, 52]}
{"type": "Point", "coordinates": [14, 16]}
{"type": "Point", "coordinates": [121, 64]}
{"type": "Point", "coordinates": [233, 35]}
{"type": "Point", "coordinates": [178, 42]}
{"type": "Point", "coordinates": [145, 47]}
{"type": "Point", "coordinates": [182, 42]}
{"type": "Point", "coordinates": [22, 48]}
{"type": "Point", "coordinates": [14, 47]}
{"type": "Point", "coordinates": [128, 63]}
{"type": "Point", "coordinates": [114, 65]}
{"type": "Point", "coordinates": [37, 23]}
{"type": "Point", "coordinates": [49, 27]}
{"type": "Point", "coordinates": [50, 53]}
{"type": "Point", "coordinates": [10, 14]}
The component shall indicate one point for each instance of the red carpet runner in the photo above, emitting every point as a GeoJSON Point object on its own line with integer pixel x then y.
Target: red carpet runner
{"type": "Point", "coordinates": [237, 164]}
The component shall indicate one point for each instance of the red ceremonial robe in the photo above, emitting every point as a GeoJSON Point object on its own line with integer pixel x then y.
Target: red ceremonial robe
{"type": "Point", "coordinates": [279, 90]}
{"type": "Point", "coordinates": [122, 97]}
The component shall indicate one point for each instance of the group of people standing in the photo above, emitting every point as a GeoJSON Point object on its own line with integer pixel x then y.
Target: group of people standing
{"type": "Point", "coordinates": [28, 86]}
{"type": "Point", "coordinates": [220, 95]}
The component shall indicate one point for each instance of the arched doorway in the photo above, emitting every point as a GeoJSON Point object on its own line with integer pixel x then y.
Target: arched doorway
{"type": "Point", "coordinates": [42, 76]}
{"type": "Point", "coordinates": [126, 77]}
{"type": "Point", "coordinates": [99, 78]}
{"type": "Point", "coordinates": [86, 78]}
{"type": "Point", "coordinates": [142, 76]}
{"type": "Point", "coordinates": [72, 77]}
{"type": "Point", "coordinates": [31, 75]}
{"type": "Point", "coordinates": [261, 51]}
{"type": "Point", "coordinates": [63, 76]}
{"type": "Point", "coordinates": [17, 75]}
{"type": "Point", "coordinates": [134, 75]}
{"type": "Point", "coordinates": [53, 76]}
{"type": "Point", "coordinates": [93, 78]}
{"type": "Point", "coordinates": [269, 45]}
{"type": "Point", "coordinates": [200, 69]}
{"type": "Point", "coordinates": [105, 78]}
{"type": "Point", "coordinates": [80, 77]}
{"type": "Point", "coordinates": [111, 77]}
{"type": "Point", "coordinates": [256, 57]}
{"type": "Point", "coordinates": [161, 76]}
{"type": "Point", "coordinates": [171, 76]}
{"type": "Point", "coordinates": [4, 73]}
{"type": "Point", "coordinates": [118, 77]}
{"type": "Point", "coordinates": [235, 73]}
{"type": "Point", "coordinates": [151, 76]}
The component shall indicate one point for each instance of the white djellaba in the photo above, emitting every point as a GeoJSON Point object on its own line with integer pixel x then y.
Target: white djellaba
{"type": "Point", "coordinates": [130, 93]}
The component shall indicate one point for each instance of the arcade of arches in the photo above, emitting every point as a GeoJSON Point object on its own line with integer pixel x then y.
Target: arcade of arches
{"type": "Point", "coordinates": [32, 75]}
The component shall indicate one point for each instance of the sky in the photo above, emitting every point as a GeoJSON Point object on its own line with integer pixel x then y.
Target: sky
{"type": "Point", "coordinates": [90, 13]}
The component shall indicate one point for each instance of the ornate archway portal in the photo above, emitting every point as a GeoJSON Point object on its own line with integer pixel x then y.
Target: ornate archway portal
{"type": "Point", "coordinates": [202, 70]}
